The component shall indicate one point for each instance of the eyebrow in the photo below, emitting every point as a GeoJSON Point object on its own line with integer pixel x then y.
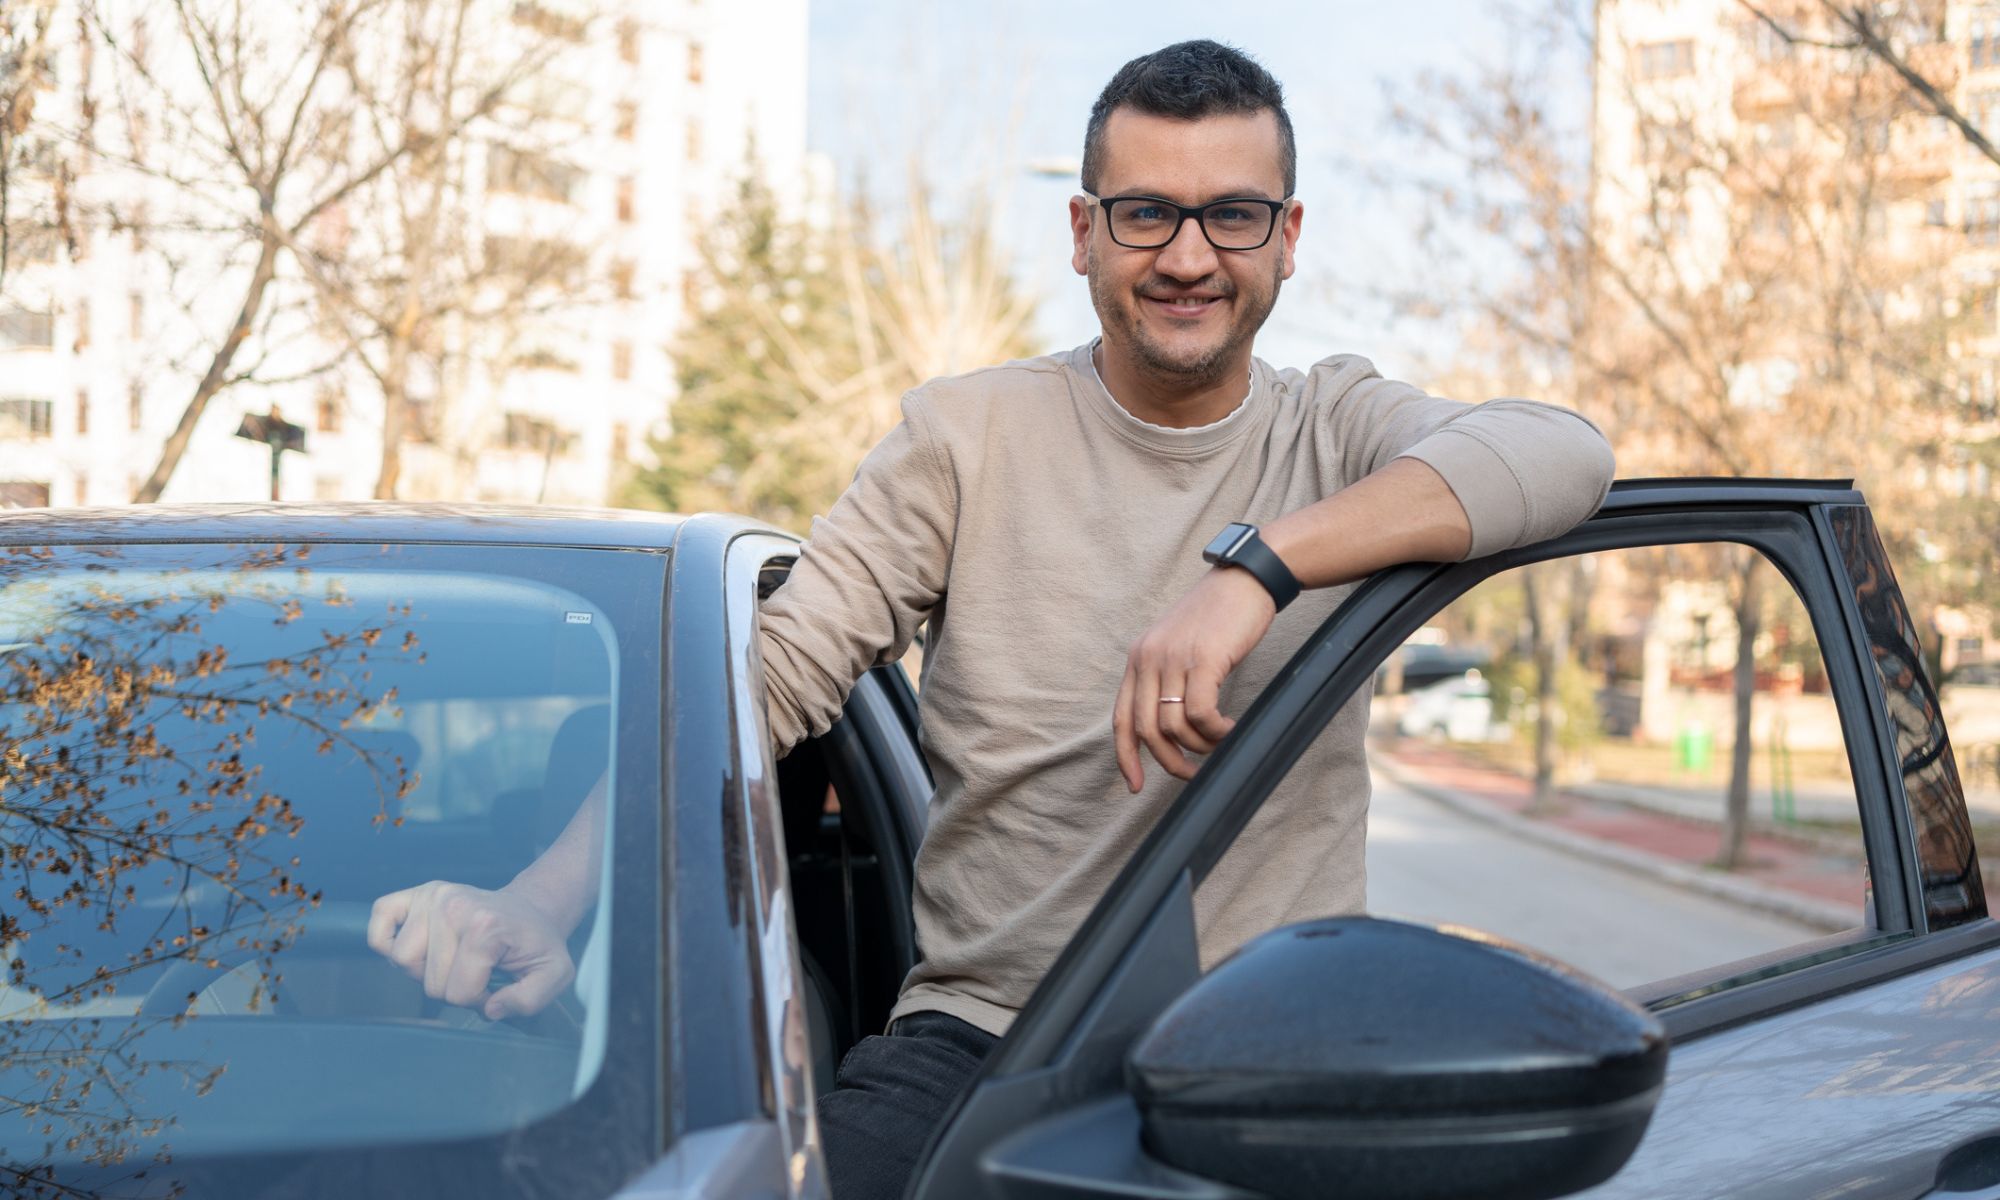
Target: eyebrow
{"type": "Point", "coordinates": [1248, 193]}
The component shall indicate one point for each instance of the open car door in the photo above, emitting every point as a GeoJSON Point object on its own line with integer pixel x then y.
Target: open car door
{"type": "Point", "coordinates": [1131, 1074]}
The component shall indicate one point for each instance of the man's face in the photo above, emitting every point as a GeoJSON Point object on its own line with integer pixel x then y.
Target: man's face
{"type": "Point", "coordinates": [1142, 296]}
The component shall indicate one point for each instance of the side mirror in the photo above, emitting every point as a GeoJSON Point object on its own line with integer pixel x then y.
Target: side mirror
{"type": "Point", "coordinates": [1360, 1057]}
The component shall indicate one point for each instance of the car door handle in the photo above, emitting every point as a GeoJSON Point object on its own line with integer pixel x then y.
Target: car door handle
{"type": "Point", "coordinates": [1970, 1171]}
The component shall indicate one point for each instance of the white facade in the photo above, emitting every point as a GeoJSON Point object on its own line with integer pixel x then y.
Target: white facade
{"type": "Point", "coordinates": [640, 127]}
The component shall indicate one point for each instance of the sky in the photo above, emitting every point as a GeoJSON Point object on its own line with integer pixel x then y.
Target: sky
{"type": "Point", "coordinates": [977, 91]}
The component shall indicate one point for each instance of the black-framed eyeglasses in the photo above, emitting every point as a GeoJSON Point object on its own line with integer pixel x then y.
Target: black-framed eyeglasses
{"type": "Point", "coordinates": [1148, 222]}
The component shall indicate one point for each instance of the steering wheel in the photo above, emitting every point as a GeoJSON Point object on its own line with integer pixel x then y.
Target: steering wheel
{"type": "Point", "coordinates": [335, 929]}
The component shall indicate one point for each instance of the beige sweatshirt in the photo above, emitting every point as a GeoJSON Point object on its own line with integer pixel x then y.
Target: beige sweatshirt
{"type": "Point", "coordinates": [1041, 529]}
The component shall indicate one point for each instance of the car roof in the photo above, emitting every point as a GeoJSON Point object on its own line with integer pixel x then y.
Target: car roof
{"type": "Point", "coordinates": [369, 521]}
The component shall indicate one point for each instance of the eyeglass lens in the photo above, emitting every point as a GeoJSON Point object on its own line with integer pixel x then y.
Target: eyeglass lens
{"type": "Point", "coordinates": [1147, 224]}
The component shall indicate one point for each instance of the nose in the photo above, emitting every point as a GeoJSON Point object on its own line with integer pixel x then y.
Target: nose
{"type": "Point", "coordinates": [1188, 257]}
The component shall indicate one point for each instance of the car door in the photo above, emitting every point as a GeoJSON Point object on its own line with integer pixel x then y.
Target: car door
{"type": "Point", "coordinates": [1855, 1065]}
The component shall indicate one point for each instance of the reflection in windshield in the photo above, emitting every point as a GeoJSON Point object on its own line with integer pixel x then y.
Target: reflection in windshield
{"type": "Point", "coordinates": [210, 767]}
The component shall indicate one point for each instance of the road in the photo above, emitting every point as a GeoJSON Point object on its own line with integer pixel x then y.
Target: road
{"type": "Point", "coordinates": [1429, 862]}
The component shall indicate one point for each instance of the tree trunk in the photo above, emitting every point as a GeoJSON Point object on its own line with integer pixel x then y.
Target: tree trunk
{"type": "Point", "coordinates": [1542, 652]}
{"type": "Point", "coordinates": [1736, 814]}
{"type": "Point", "coordinates": [395, 411]}
{"type": "Point", "coordinates": [396, 396]}
{"type": "Point", "coordinates": [217, 376]}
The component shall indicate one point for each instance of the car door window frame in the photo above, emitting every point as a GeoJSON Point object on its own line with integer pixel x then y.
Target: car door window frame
{"type": "Point", "coordinates": [1134, 952]}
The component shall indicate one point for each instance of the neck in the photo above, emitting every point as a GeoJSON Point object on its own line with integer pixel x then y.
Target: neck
{"type": "Point", "coordinates": [1175, 402]}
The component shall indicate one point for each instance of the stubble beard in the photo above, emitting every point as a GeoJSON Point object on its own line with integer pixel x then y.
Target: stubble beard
{"type": "Point", "coordinates": [1205, 368]}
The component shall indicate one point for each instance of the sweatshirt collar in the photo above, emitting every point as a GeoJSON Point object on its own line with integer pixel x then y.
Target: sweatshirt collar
{"type": "Point", "coordinates": [1193, 440]}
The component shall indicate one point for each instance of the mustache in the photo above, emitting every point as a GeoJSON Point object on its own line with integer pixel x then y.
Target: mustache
{"type": "Point", "coordinates": [1167, 289]}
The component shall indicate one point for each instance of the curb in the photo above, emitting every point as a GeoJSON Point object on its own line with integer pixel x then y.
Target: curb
{"type": "Point", "coordinates": [1825, 915]}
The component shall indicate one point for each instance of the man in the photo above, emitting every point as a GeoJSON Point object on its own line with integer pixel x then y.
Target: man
{"type": "Point", "coordinates": [1040, 515]}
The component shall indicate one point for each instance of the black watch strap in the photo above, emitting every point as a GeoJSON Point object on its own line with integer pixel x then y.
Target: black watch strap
{"type": "Point", "coordinates": [1239, 546]}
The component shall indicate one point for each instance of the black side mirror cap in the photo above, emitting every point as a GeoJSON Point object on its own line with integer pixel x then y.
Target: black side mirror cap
{"type": "Point", "coordinates": [1362, 1057]}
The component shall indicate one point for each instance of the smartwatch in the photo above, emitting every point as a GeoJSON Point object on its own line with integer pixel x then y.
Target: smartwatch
{"type": "Point", "coordinates": [1239, 546]}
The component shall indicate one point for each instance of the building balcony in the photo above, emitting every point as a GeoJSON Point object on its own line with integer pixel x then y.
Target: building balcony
{"type": "Point", "coordinates": [1938, 63]}
{"type": "Point", "coordinates": [1759, 92]}
{"type": "Point", "coordinates": [1922, 159]}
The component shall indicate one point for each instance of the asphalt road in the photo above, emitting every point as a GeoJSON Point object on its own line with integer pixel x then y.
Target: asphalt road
{"type": "Point", "coordinates": [1429, 862]}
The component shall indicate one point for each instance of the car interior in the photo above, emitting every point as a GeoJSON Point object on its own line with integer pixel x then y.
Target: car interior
{"type": "Point", "coordinates": [851, 891]}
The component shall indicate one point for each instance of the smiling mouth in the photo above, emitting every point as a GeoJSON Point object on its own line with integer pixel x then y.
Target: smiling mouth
{"type": "Point", "coordinates": [1186, 306]}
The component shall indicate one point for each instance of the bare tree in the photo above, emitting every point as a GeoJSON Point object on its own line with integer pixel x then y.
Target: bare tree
{"type": "Point", "coordinates": [413, 276]}
{"type": "Point", "coordinates": [24, 76]}
{"type": "Point", "coordinates": [1728, 303]}
{"type": "Point", "coordinates": [1904, 37]}
{"type": "Point", "coordinates": [259, 126]}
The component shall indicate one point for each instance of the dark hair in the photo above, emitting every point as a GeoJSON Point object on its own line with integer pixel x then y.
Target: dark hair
{"type": "Point", "coordinates": [1188, 81]}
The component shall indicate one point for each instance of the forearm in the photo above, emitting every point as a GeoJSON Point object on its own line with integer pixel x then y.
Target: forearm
{"type": "Point", "coordinates": [1404, 512]}
{"type": "Point", "coordinates": [563, 881]}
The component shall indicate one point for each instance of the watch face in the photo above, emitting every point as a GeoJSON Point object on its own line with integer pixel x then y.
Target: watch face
{"type": "Point", "coordinates": [1227, 541]}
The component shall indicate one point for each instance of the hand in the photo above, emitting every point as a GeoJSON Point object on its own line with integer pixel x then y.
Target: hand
{"type": "Point", "coordinates": [452, 936]}
{"type": "Point", "coordinates": [1187, 653]}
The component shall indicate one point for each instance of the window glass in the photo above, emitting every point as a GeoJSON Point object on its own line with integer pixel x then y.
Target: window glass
{"type": "Point", "coordinates": [1630, 759]}
{"type": "Point", "coordinates": [217, 758]}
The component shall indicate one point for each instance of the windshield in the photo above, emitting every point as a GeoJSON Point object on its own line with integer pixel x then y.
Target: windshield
{"type": "Point", "coordinates": [216, 759]}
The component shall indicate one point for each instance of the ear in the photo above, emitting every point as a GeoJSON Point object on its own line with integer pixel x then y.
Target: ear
{"type": "Point", "coordinates": [1288, 237]}
{"type": "Point", "coordinates": [1079, 233]}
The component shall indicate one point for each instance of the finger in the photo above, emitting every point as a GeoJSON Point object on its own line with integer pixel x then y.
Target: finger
{"type": "Point", "coordinates": [1173, 717]}
{"type": "Point", "coordinates": [412, 943]}
{"type": "Point", "coordinates": [385, 917]}
{"type": "Point", "coordinates": [1146, 721]}
{"type": "Point", "coordinates": [1122, 737]}
{"type": "Point", "coordinates": [1204, 706]}
{"type": "Point", "coordinates": [444, 942]}
{"type": "Point", "coordinates": [471, 967]}
{"type": "Point", "coordinates": [532, 992]}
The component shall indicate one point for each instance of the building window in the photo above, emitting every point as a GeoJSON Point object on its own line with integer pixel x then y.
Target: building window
{"type": "Point", "coordinates": [519, 431]}
{"type": "Point", "coordinates": [693, 140]}
{"type": "Point", "coordinates": [138, 313]}
{"type": "Point", "coordinates": [621, 360]}
{"type": "Point", "coordinates": [328, 416]}
{"type": "Point", "coordinates": [628, 121]}
{"type": "Point", "coordinates": [21, 417]}
{"type": "Point", "coordinates": [627, 200]}
{"type": "Point", "coordinates": [621, 443]}
{"type": "Point", "coordinates": [527, 173]}
{"type": "Point", "coordinates": [22, 493]}
{"type": "Point", "coordinates": [628, 41]}
{"type": "Point", "coordinates": [1666, 60]}
{"type": "Point", "coordinates": [82, 338]}
{"type": "Point", "coordinates": [1934, 214]}
{"type": "Point", "coordinates": [25, 329]}
{"type": "Point", "coordinates": [1982, 213]}
{"type": "Point", "coordinates": [694, 63]}
{"type": "Point", "coordinates": [136, 405]}
{"type": "Point", "coordinates": [82, 412]}
{"type": "Point", "coordinates": [543, 19]}
{"type": "Point", "coordinates": [1985, 40]}
{"type": "Point", "coordinates": [1765, 43]}
{"type": "Point", "coordinates": [623, 274]}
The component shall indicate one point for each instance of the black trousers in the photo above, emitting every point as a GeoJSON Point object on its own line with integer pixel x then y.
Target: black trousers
{"type": "Point", "coordinates": [888, 1098]}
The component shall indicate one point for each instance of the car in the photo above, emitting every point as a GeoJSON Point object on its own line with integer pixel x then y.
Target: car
{"type": "Point", "coordinates": [1457, 709]}
{"type": "Point", "coordinates": [228, 729]}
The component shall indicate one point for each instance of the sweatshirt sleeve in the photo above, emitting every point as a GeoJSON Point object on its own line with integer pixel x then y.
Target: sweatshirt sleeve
{"type": "Point", "coordinates": [1523, 471]}
{"type": "Point", "coordinates": [871, 572]}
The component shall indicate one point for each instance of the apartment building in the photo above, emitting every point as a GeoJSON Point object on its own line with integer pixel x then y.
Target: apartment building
{"type": "Point", "coordinates": [528, 330]}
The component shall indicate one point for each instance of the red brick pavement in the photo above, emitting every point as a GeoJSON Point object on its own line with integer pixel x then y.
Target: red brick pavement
{"type": "Point", "coordinates": [1776, 861]}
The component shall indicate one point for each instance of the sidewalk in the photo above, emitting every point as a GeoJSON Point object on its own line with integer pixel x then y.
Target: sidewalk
{"type": "Point", "coordinates": [1668, 834]}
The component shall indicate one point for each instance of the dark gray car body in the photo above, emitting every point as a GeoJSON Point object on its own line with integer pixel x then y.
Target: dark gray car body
{"type": "Point", "coordinates": [1867, 1065]}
